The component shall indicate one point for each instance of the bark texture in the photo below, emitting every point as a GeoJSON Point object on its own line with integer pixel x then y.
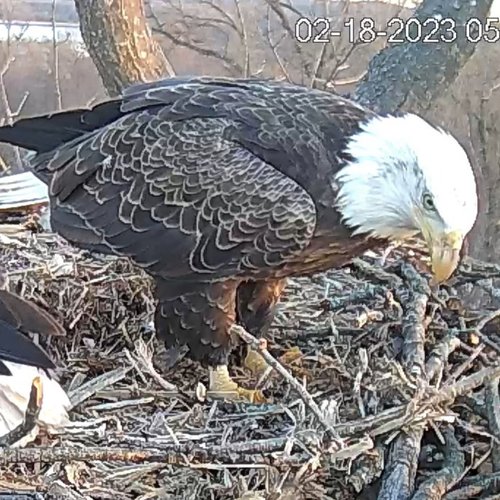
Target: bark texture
{"type": "Point", "coordinates": [120, 43]}
{"type": "Point", "coordinates": [411, 75]}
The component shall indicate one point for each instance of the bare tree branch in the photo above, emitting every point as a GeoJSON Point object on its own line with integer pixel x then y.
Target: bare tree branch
{"type": "Point", "coordinates": [191, 24]}
{"type": "Point", "coordinates": [55, 58]}
{"type": "Point", "coordinates": [244, 37]}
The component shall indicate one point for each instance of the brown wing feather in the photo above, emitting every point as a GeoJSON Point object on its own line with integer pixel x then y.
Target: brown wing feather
{"type": "Point", "coordinates": [180, 199]}
{"type": "Point", "coordinates": [256, 302]}
{"type": "Point", "coordinates": [27, 316]}
{"type": "Point", "coordinates": [300, 131]}
{"type": "Point", "coordinates": [18, 317]}
{"type": "Point", "coordinates": [203, 182]}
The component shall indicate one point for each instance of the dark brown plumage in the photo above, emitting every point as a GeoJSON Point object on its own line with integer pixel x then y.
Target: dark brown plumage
{"type": "Point", "coordinates": [17, 318]}
{"type": "Point", "coordinates": [22, 362]}
{"type": "Point", "coordinates": [218, 188]}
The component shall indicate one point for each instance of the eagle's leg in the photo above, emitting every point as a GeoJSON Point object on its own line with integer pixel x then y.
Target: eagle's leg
{"type": "Point", "coordinates": [201, 316]}
{"type": "Point", "coordinates": [255, 306]}
{"type": "Point", "coordinates": [221, 385]}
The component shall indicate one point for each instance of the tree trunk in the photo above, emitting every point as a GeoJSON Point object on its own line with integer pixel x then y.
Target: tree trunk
{"type": "Point", "coordinates": [410, 76]}
{"type": "Point", "coordinates": [484, 131]}
{"type": "Point", "coordinates": [120, 43]}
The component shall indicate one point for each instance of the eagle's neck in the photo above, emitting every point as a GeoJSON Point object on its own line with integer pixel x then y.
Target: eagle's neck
{"type": "Point", "coordinates": [377, 185]}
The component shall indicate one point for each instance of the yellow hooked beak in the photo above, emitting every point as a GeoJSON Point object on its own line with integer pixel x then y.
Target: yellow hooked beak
{"type": "Point", "coordinates": [445, 253]}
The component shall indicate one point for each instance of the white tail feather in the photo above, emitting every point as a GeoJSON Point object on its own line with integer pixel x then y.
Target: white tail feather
{"type": "Point", "coordinates": [14, 396]}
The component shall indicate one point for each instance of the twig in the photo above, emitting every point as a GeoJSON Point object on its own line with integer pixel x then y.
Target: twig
{"type": "Point", "coordinates": [464, 386]}
{"type": "Point", "coordinates": [274, 46]}
{"type": "Point", "coordinates": [472, 487]}
{"type": "Point", "coordinates": [395, 418]}
{"type": "Point", "coordinates": [184, 454]}
{"type": "Point", "coordinates": [277, 9]}
{"type": "Point", "coordinates": [370, 292]}
{"type": "Point", "coordinates": [91, 387]}
{"type": "Point", "coordinates": [144, 356]}
{"type": "Point", "coordinates": [439, 357]}
{"type": "Point", "coordinates": [463, 367]}
{"type": "Point", "coordinates": [15, 495]}
{"type": "Point", "coordinates": [244, 37]}
{"type": "Point", "coordinates": [171, 455]}
{"type": "Point", "coordinates": [55, 58]}
{"type": "Point", "coordinates": [482, 324]}
{"type": "Point", "coordinates": [30, 416]}
{"type": "Point", "coordinates": [377, 274]}
{"type": "Point", "coordinates": [271, 361]}
{"type": "Point", "coordinates": [398, 481]}
{"type": "Point", "coordinates": [487, 319]}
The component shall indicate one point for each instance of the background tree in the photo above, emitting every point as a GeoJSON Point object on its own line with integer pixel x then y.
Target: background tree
{"type": "Point", "coordinates": [119, 41]}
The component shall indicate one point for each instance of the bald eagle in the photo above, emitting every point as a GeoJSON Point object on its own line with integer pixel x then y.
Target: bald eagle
{"type": "Point", "coordinates": [21, 361]}
{"type": "Point", "coordinates": [222, 188]}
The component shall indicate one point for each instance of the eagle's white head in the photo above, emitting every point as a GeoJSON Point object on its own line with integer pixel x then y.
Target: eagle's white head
{"type": "Point", "coordinates": [408, 177]}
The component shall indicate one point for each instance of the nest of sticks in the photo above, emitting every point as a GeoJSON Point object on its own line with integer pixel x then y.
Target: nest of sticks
{"type": "Point", "coordinates": [385, 388]}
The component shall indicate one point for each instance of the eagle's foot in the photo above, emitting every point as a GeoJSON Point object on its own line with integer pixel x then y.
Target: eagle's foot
{"type": "Point", "coordinates": [255, 362]}
{"type": "Point", "coordinates": [293, 359]}
{"type": "Point", "coordinates": [291, 355]}
{"type": "Point", "coordinates": [222, 386]}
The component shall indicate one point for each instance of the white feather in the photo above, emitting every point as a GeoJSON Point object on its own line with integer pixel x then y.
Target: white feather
{"type": "Point", "coordinates": [395, 160]}
{"type": "Point", "coordinates": [14, 396]}
{"type": "Point", "coordinates": [21, 190]}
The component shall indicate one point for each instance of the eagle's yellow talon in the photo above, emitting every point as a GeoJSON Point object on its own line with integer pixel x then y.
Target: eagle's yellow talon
{"type": "Point", "coordinates": [222, 386]}
{"type": "Point", "coordinates": [291, 355]}
{"type": "Point", "coordinates": [255, 362]}
{"type": "Point", "coordinates": [252, 395]}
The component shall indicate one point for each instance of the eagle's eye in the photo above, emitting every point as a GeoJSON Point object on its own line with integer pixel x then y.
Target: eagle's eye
{"type": "Point", "coordinates": [428, 202]}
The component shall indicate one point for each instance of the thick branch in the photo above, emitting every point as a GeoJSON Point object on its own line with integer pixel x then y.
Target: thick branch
{"type": "Point", "coordinates": [120, 43]}
{"type": "Point", "coordinates": [412, 75]}
{"type": "Point", "coordinates": [398, 482]}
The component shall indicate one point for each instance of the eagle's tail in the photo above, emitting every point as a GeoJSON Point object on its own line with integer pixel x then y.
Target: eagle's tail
{"type": "Point", "coordinates": [45, 133]}
{"type": "Point", "coordinates": [22, 361]}
{"type": "Point", "coordinates": [14, 396]}
{"type": "Point", "coordinates": [17, 317]}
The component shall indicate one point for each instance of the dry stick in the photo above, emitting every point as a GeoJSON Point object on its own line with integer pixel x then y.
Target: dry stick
{"type": "Point", "coordinates": [398, 480]}
{"type": "Point", "coordinates": [472, 487]}
{"type": "Point", "coordinates": [439, 356]}
{"type": "Point", "coordinates": [413, 327]}
{"type": "Point", "coordinates": [174, 454]}
{"type": "Point", "coordinates": [13, 495]}
{"type": "Point", "coordinates": [395, 418]}
{"type": "Point", "coordinates": [30, 417]}
{"type": "Point", "coordinates": [465, 385]}
{"type": "Point", "coordinates": [261, 347]}
{"type": "Point", "coordinates": [438, 484]}
{"type": "Point", "coordinates": [87, 390]}
{"type": "Point", "coordinates": [492, 399]}
{"type": "Point", "coordinates": [482, 324]}
{"type": "Point", "coordinates": [263, 451]}
{"type": "Point", "coordinates": [399, 474]}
